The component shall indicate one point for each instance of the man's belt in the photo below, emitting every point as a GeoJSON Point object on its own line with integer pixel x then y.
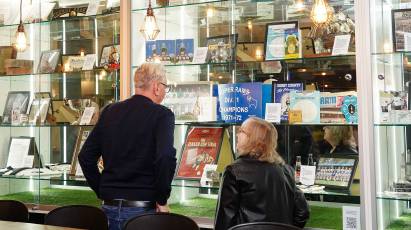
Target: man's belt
{"type": "Point", "coordinates": [130, 203]}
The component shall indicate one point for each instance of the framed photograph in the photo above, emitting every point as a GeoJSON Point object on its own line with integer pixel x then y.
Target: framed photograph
{"type": "Point", "coordinates": [48, 61]}
{"type": "Point", "coordinates": [110, 56]}
{"type": "Point", "coordinates": [38, 110]}
{"type": "Point", "coordinates": [201, 147]}
{"type": "Point", "coordinates": [282, 40]}
{"type": "Point", "coordinates": [17, 103]}
{"type": "Point", "coordinates": [336, 172]}
{"type": "Point", "coordinates": [82, 136]}
{"type": "Point", "coordinates": [166, 50]}
{"type": "Point", "coordinates": [401, 29]}
{"type": "Point", "coordinates": [184, 50]}
{"type": "Point", "coordinates": [72, 63]}
{"type": "Point", "coordinates": [6, 52]}
{"type": "Point", "coordinates": [222, 48]}
{"type": "Point", "coordinates": [23, 152]}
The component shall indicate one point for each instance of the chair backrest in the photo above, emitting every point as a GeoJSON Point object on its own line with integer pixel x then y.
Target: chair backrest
{"type": "Point", "coordinates": [12, 210]}
{"type": "Point", "coordinates": [264, 226]}
{"type": "Point", "coordinates": [161, 221]}
{"type": "Point", "coordinates": [77, 216]}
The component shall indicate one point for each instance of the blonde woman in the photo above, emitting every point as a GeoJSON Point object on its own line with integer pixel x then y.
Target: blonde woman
{"type": "Point", "coordinates": [259, 186]}
{"type": "Point", "coordinates": [341, 139]}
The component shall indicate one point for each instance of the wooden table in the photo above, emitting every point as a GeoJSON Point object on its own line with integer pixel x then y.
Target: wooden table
{"type": "Point", "coordinates": [26, 226]}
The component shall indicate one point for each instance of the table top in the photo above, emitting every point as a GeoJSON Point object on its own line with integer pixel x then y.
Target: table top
{"type": "Point", "coordinates": [28, 226]}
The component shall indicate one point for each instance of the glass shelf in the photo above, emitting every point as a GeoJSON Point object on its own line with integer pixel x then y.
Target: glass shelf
{"type": "Point", "coordinates": [391, 125]}
{"type": "Point", "coordinates": [143, 6]}
{"type": "Point", "coordinates": [181, 3]}
{"type": "Point", "coordinates": [401, 196]}
{"type": "Point", "coordinates": [45, 22]}
{"type": "Point", "coordinates": [97, 70]}
{"type": "Point", "coordinates": [294, 60]}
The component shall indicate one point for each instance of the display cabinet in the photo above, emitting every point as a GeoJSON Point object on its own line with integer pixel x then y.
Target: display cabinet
{"type": "Point", "coordinates": [211, 47]}
{"type": "Point", "coordinates": [51, 93]}
{"type": "Point", "coordinates": [388, 152]}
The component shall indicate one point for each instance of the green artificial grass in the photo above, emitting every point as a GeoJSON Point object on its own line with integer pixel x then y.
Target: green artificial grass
{"type": "Point", "coordinates": [403, 222]}
{"type": "Point", "coordinates": [321, 217]}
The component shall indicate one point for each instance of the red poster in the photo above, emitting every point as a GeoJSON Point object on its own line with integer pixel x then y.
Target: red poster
{"type": "Point", "coordinates": [200, 148]}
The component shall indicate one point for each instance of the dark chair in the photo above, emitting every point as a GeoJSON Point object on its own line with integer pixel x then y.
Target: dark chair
{"type": "Point", "coordinates": [77, 216]}
{"type": "Point", "coordinates": [12, 210]}
{"type": "Point", "coordinates": [161, 221]}
{"type": "Point", "coordinates": [264, 226]}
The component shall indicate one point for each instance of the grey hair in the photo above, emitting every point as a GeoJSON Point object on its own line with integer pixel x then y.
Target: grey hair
{"type": "Point", "coordinates": [147, 73]}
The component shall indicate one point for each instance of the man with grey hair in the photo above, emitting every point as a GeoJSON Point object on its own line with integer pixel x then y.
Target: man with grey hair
{"type": "Point", "coordinates": [135, 139]}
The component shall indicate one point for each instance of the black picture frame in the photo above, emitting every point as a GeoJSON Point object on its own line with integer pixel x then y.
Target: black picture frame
{"type": "Point", "coordinates": [401, 23]}
{"type": "Point", "coordinates": [23, 98]}
{"type": "Point", "coordinates": [227, 50]}
{"type": "Point", "coordinates": [336, 157]}
{"type": "Point", "coordinates": [32, 150]}
{"type": "Point", "coordinates": [266, 41]}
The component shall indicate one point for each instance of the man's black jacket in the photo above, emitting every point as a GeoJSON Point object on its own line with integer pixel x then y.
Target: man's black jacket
{"type": "Point", "coordinates": [135, 139]}
{"type": "Point", "coordinates": [254, 191]}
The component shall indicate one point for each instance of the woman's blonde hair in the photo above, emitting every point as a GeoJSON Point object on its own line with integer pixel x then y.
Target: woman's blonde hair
{"type": "Point", "coordinates": [262, 141]}
{"type": "Point", "coordinates": [342, 135]}
{"type": "Point", "coordinates": [147, 73]}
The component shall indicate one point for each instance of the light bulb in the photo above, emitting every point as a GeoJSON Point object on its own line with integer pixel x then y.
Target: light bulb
{"type": "Point", "coordinates": [210, 12]}
{"type": "Point", "coordinates": [319, 12]}
{"type": "Point", "coordinates": [21, 41]}
{"type": "Point", "coordinates": [150, 28]}
{"type": "Point", "coordinates": [249, 24]}
{"type": "Point", "coordinates": [258, 54]}
{"type": "Point", "coordinates": [299, 5]}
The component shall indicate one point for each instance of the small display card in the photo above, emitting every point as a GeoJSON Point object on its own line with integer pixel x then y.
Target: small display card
{"type": "Point", "coordinates": [273, 112]}
{"type": "Point", "coordinates": [200, 55]}
{"type": "Point", "coordinates": [307, 175]}
{"type": "Point", "coordinates": [341, 44]}
{"type": "Point", "coordinates": [87, 115]}
{"type": "Point", "coordinates": [89, 62]}
{"type": "Point", "coordinates": [92, 7]}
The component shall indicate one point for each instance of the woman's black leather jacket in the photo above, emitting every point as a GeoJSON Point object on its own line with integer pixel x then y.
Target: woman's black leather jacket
{"type": "Point", "coordinates": [253, 191]}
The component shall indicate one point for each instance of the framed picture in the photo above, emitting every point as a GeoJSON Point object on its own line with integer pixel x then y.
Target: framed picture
{"type": "Point", "coordinates": [282, 40]}
{"type": "Point", "coordinates": [48, 61]}
{"type": "Point", "coordinates": [401, 29]}
{"type": "Point", "coordinates": [38, 110]}
{"type": "Point", "coordinates": [72, 63]}
{"type": "Point", "coordinates": [201, 147]}
{"type": "Point", "coordinates": [83, 134]}
{"type": "Point", "coordinates": [307, 43]}
{"type": "Point", "coordinates": [110, 56]}
{"type": "Point", "coordinates": [222, 48]}
{"type": "Point", "coordinates": [63, 113]}
{"type": "Point", "coordinates": [6, 52]}
{"type": "Point", "coordinates": [184, 50]}
{"type": "Point", "coordinates": [17, 103]}
{"type": "Point", "coordinates": [23, 153]}
{"type": "Point", "coordinates": [249, 51]}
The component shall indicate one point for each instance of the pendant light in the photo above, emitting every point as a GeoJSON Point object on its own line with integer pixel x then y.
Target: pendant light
{"type": "Point", "coordinates": [321, 12]}
{"type": "Point", "coordinates": [150, 28]}
{"type": "Point", "coordinates": [21, 38]}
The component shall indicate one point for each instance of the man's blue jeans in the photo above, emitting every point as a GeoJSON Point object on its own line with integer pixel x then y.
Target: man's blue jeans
{"type": "Point", "coordinates": [117, 216]}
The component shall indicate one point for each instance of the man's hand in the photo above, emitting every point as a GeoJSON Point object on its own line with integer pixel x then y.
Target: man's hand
{"type": "Point", "coordinates": [162, 208]}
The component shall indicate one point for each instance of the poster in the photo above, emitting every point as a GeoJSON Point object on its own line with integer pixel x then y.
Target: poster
{"type": "Point", "coordinates": [308, 103]}
{"type": "Point", "coordinates": [184, 50]}
{"type": "Point", "coordinates": [239, 101]}
{"type": "Point", "coordinates": [281, 94]}
{"type": "Point", "coordinates": [222, 48]}
{"type": "Point", "coordinates": [282, 41]}
{"type": "Point", "coordinates": [166, 50]}
{"type": "Point", "coordinates": [350, 109]}
{"type": "Point", "coordinates": [151, 51]}
{"type": "Point", "coordinates": [201, 147]}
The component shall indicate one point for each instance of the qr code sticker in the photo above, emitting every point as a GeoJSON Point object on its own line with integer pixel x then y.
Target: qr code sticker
{"type": "Point", "coordinates": [351, 223]}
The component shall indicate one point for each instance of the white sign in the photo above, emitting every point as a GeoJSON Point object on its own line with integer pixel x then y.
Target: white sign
{"type": "Point", "coordinates": [307, 175]}
{"type": "Point", "coordinates": [89, 62]}
{"type": "Point", "coordinates": [341, 44]}
{"type": "Point", "coordinates": [87, 115]}
{"type": "Point", "coordinates": [351, 218]}
{"type": "Point", "coordinates": [200, 55]}
{"type": "Point", "coordinates": [19, 150]}
{"type": "Point", "coordinates": [273, 112]}
{"type": "Point", "coordinates": [207, 171]}
{"type": "Point", "coordinates": [92, 7]}
{"type": "Point", "coordinates": [28, 161]}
